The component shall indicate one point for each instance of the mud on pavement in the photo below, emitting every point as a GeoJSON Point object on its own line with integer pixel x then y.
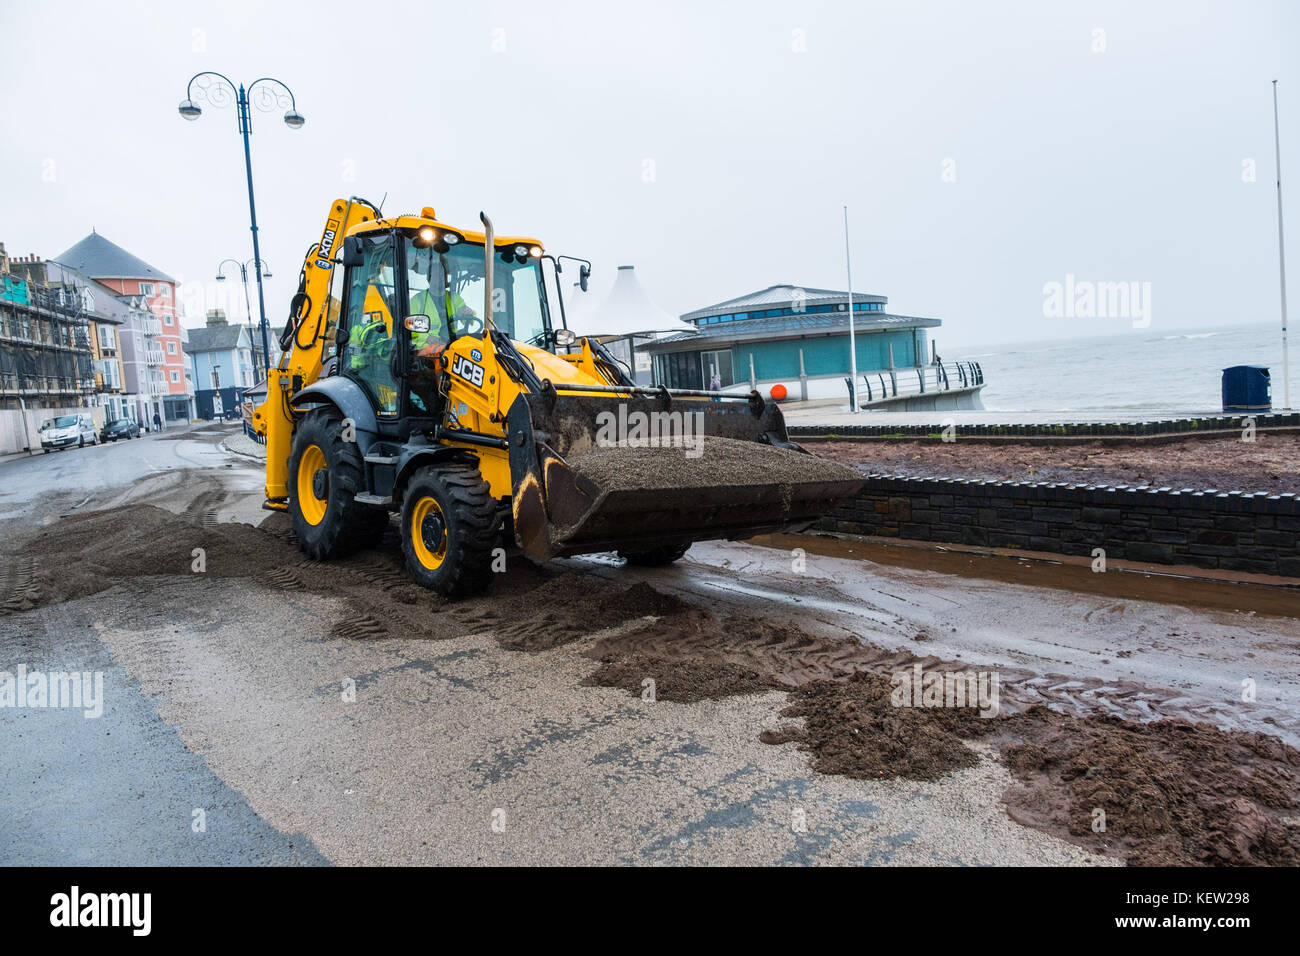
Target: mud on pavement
{"type": "Point", "coordinates": [1171, 791]}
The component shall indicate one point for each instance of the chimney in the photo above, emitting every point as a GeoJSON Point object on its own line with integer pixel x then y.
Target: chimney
{"type": "Point", "coordinates": [216, 317]}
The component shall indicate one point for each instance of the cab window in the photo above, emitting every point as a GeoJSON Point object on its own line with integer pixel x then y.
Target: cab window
{"type": "Point", "coordinates": [370, 307]}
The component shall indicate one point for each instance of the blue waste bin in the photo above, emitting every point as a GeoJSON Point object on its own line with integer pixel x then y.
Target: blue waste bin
{"type": "Point", "coordinates": [1247, 388]}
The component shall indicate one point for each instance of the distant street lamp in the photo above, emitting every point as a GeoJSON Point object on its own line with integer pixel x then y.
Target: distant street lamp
{"type": "Point", "coordinates": [217, 90]}
{"type": "Point", "coordinates": [261, 272]}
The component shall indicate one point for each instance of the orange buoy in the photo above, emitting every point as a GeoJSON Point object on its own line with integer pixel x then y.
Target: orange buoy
{"type": "Point", "coordinates": [779, 392]}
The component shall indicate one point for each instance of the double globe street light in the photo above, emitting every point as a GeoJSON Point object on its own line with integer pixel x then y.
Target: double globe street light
{"type": "Point", "coordinates": [217, 90]}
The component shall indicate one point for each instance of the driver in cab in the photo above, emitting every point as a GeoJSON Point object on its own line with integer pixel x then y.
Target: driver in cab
{"type": "Point", "coordinates": [437, 302]}
{"type": "Point", "coordinates": [441, 305]}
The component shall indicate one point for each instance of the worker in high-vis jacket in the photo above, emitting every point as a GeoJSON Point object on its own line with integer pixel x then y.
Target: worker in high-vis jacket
{"type": "Point", "coordinates": [441, 308]}
{"type": "Point", "coordinates": [437, 306]}
{"type": "Point", "coordinates": [366, 339]}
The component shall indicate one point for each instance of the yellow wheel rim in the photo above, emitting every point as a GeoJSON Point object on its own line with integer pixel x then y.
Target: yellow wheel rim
{"type": "Point", "coordinates": [429, 533]}
{"type": "Point", "coordinates": [312, 506]}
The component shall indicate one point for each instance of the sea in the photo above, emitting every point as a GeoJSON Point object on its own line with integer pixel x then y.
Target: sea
{"type": "Point", "coordinates": [1134, 372]}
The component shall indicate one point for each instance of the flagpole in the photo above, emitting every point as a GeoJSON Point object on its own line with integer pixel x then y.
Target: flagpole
{"type": "Point", "coordinates": [853, 344]}
{"type": "Point", "coordinates": [1281, 256]}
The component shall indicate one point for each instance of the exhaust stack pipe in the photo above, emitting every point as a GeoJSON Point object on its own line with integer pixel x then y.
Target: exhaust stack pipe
{"type": "Point", "coordinates": [489, 253]}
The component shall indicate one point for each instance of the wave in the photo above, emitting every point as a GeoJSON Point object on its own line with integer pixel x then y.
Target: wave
{"type": "Point", "coordinates": [1195, 335]}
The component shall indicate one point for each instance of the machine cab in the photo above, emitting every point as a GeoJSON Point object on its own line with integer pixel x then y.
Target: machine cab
{"type": "Point", "coordinates": [412, 287]}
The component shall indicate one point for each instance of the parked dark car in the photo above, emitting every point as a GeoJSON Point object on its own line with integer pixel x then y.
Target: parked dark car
{"type": "Point", "coordinates": [119, 428]}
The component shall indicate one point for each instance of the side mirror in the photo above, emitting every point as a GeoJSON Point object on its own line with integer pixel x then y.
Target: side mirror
{"type": "Point", "coordinates": [352, 255]}
{"type": "Point", "coordinates": [416, 324]}
{"type": "Point", "coordinates": [584, 273]}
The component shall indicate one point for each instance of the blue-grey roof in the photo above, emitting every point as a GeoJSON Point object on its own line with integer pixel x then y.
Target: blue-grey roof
{"type": "Point", "coordinates": [98, 258]}
{"type": "Point", "coordinates": [213, 338]}
{"type": "Point", "coordinates": [782, 296]}
{"type": "Point", "coordinates": [787, 327]}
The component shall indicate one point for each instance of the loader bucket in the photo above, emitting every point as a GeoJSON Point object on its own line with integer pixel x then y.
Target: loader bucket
{"type": "Point", "coordinates": [603, 473]}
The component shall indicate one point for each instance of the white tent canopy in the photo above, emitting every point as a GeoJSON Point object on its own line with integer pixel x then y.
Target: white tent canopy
{"type": "Point", "coordinates": [626, 310]}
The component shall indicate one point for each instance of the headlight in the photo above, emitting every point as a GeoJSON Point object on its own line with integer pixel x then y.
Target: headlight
{"type": "Point", "coordinates": [565, 337]}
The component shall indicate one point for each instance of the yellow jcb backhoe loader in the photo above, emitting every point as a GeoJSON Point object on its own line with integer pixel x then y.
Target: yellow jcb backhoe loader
{"type": "Point", "coordinates": [437, 386]}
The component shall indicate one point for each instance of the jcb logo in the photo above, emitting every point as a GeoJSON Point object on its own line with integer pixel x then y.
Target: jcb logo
{"type": "Point", "coordinates": [326, 245]}
{"type": "Point", "coordinates": [468, 371]}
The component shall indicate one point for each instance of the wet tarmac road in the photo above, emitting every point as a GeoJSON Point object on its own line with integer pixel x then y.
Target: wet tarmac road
{"type": "Point", "coordinates": [120, 788]}
{"type": "Point", "coordinates": [225, 697]}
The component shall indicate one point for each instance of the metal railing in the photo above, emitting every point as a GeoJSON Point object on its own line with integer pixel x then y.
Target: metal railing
{"type": "Point", "coordinates": [927, 379]}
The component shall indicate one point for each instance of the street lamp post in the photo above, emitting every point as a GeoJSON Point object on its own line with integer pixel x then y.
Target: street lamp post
{"type": "Point", "coordinates": [217, 94]}
{"type": "Point", "coordinates": [261, 271]}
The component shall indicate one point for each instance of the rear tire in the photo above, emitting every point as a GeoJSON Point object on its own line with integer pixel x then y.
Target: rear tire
{"type": "Point", "coordinates": [655, 557]}
{"type": "Point", "coordinates": [450, 526]}
{"type": "Point", "coordinates": [326, 518]}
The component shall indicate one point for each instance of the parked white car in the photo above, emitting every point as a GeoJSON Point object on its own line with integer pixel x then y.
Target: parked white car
{"type": "Point", "coordinates": [68, 430]}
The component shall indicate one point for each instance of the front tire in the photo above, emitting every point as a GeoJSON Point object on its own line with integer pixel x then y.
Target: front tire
{"type": "Point", "coordinates": [325, 474]}
{"type": "Point", "coordinates": [450, 526]}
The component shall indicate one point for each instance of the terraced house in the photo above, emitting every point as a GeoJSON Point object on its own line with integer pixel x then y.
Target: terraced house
{"type": "Point", "coordinates": [153, 361]}
{"type": "Point", "coordinates": [107, 315]}
{"type": "Point", "coordinates": [221, 360]}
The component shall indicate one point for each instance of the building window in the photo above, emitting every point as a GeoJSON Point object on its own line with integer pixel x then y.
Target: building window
{"type": "Point", "coordinates": [167, 319]}
{"type": "Point", "coordinates": [146, 288]}
{"type": "Point", "coordinates": [216, 378]}
{"type": "Point", "coordinates": [165, 291]}
{"type": "Point", "coordinates": [176, 377]}
{"type": "Point", "coordinates": [171, 348]}
{"type": "Point", "coordinates": [717, 363]}
{"type": "Point", "coordinates": [680, 370]}
{"type": "Point", "coordinates": [106, 337]}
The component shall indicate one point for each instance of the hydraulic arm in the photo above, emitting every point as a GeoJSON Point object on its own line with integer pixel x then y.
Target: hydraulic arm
{"type": "Point", "coordinates": [312, 319]}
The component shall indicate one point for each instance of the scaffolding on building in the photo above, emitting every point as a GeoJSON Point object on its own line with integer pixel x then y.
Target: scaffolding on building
{"type": "Point", "coordinates": [45, 350]}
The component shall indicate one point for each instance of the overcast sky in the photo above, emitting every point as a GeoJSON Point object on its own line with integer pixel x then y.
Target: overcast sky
{"type": "Point", "coordinates": [710, 144]}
